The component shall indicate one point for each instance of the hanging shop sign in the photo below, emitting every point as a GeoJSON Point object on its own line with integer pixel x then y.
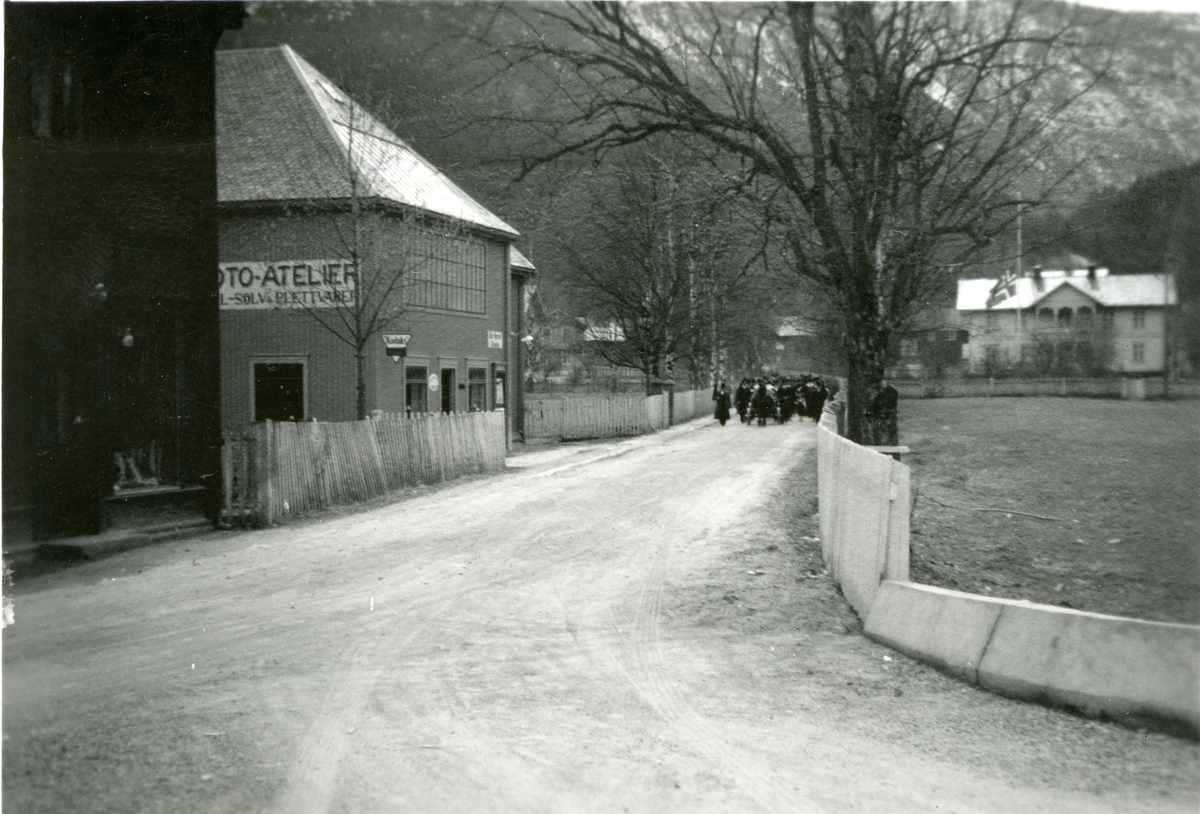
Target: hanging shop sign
{"type": "Point", "coordinates": [496, 339]}
{"type": "Point", "coordinates": [396, 345]}
{"type": "Point", "coordinates": [286, 284]}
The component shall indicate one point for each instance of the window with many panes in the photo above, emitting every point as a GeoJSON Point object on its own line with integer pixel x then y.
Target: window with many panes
{"type": "Point", "coordinates": [447, 272]}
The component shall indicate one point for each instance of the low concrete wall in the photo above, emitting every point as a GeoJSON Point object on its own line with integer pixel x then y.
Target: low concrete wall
{"type": "Point", "coordinates": [864, 516]}
{"type": "Point", "coordinates": [1126, 669]}
{"type": "Point", "coordinates": [1129, 670]}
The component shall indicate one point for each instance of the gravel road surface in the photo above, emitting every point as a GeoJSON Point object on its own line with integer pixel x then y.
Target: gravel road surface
{"type": "Point", "coordinates": [639, 626]}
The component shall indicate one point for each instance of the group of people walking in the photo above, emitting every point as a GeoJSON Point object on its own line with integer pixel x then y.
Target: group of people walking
{"type": "Point", "coordinates": [771, 397]}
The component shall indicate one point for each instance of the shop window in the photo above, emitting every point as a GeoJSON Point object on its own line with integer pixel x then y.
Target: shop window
{"type": "Point", "coordinates": [416, 390]}
{"type": "Point", "coordinates": [448, 273]}
{"type": "Point", "coordinates": [279, 391]}
{"type": "Point", "coordinates": [477, 389]}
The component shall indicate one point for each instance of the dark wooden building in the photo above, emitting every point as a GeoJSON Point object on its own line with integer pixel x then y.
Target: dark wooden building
{"type": "Point", "coordinates": [110, 313]}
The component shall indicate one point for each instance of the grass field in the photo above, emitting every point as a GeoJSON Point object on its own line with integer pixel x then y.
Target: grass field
{"type": "Point", "coordinates": [1120, 480]}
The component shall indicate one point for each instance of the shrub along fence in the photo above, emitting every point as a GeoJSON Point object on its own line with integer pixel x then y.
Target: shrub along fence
{"type": "Point", "coordinates": [611, 416]}
{"type": "Point", "coordinates": [273, 470]}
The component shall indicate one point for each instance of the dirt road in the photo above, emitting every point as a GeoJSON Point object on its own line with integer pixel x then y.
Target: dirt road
{"type": "Point", "coordinates": [640, 626]}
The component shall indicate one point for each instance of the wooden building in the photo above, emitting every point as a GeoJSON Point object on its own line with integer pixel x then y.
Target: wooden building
{"type": "Point", "coordinates": [353, 276]}
{"type": "Point", "coordinates": [110, 376]}
{"type": "Point", "coordinates": [1081, 322]}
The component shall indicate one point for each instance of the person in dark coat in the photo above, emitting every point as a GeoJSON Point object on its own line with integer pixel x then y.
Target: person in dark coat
{"type": "Point", "coordinates": [723, 399]}
{"type": "Point", "coordinates": [742, 400]}
{"type": "Point", "coordinates": [762, 405]}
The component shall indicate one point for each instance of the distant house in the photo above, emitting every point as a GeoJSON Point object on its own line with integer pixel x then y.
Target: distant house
{"type": "Point", "coordinates": [567, 352]}
{"type": "Point", "coordinates": [324, 210]}
{"type": "Point", "coordinates": [1079, 322]}
{"type": "Point", "coordinates": [805, 346]}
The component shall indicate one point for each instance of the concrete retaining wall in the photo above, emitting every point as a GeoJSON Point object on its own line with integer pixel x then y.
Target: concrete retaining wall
{"type": "Point", "coordinates": [1126, 669]}
{"type": "Point", "coordinates": [1129, 670]}
{"type": "Point", "coordinates": [864, 516]}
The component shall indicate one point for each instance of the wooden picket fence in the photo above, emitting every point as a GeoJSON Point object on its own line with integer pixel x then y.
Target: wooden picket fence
{"type": "Point", "coordinates": [273, 470]}
{"type": "Point", "coordinates": [611, 416]}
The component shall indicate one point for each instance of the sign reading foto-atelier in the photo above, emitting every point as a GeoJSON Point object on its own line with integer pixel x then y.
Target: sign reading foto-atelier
{"type": "Point", "coordinates": [287, 284]}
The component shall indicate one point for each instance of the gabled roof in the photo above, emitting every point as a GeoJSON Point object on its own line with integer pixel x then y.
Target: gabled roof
{"type": "Point", "coordinates": [607, 332]}
{"type": "Point", "coordinates": [797, 326]}
{"type": "Point", "coordinates": [1108, 290]}
{"type": "Point", "coordinates": [284, 132]}
{"type": "Point", "coordinates": [518, 260]}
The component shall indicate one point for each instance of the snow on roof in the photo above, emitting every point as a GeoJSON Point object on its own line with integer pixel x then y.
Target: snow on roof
{"type": "Point", "coordinates": [611, 332]}
{"type": "Point", "coordinates": [518, 260]}
{"type": "Point", "coordinates": [1109, 290]}
{"type": "Point", "coordinates": [284, 132]}
{"type": "Point", "coordinates": [796, 326]}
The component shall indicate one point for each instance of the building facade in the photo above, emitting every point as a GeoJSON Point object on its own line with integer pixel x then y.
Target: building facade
{"type": "Point", "coordinates": [1082, 322]}
{"type": "Point", "coordinates": [353, 276]}
{"type": "Point", "coordinates": [110, 341]}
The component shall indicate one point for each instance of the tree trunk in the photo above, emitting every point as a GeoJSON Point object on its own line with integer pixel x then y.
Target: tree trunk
{"type": "Point", "coordinates": [866, 359]}
{"type": "Point", "coordinates": [360, 384]}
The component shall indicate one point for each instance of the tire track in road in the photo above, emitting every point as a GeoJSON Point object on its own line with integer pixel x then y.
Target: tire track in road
{"type": "Point", "coordinates": [310, 786]}
{"type": "Point", "coordinates": [637, 650]}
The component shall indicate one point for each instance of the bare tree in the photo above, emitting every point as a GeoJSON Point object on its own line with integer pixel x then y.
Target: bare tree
{"type": "Point", "coordinates": [652, 260]}
{"type": "Point", "coordinates": [885, 142]}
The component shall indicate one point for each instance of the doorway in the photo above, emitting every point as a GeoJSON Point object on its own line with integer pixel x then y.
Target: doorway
{"type": "Point", "coordinates": [448, 390]}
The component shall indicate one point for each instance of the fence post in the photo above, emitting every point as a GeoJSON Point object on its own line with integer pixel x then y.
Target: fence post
{"type": "Point", "coordinates": [226, 476]}
{"type": "Point", "coordinates": [264, 472]}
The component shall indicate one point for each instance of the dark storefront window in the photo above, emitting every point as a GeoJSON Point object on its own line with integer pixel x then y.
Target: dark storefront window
{"type": "Point", "coordinates": [448, 395]}
{"type": "Point", "coordinates": [279, 391]}
{"type": "Point", "coordinates": [477, 389]}
{"type": "Point", "coordinates": [416, 390]}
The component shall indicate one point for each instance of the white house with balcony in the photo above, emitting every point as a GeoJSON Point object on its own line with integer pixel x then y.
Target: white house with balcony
{"type": "Point", "coordinates": [1068, 323]}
